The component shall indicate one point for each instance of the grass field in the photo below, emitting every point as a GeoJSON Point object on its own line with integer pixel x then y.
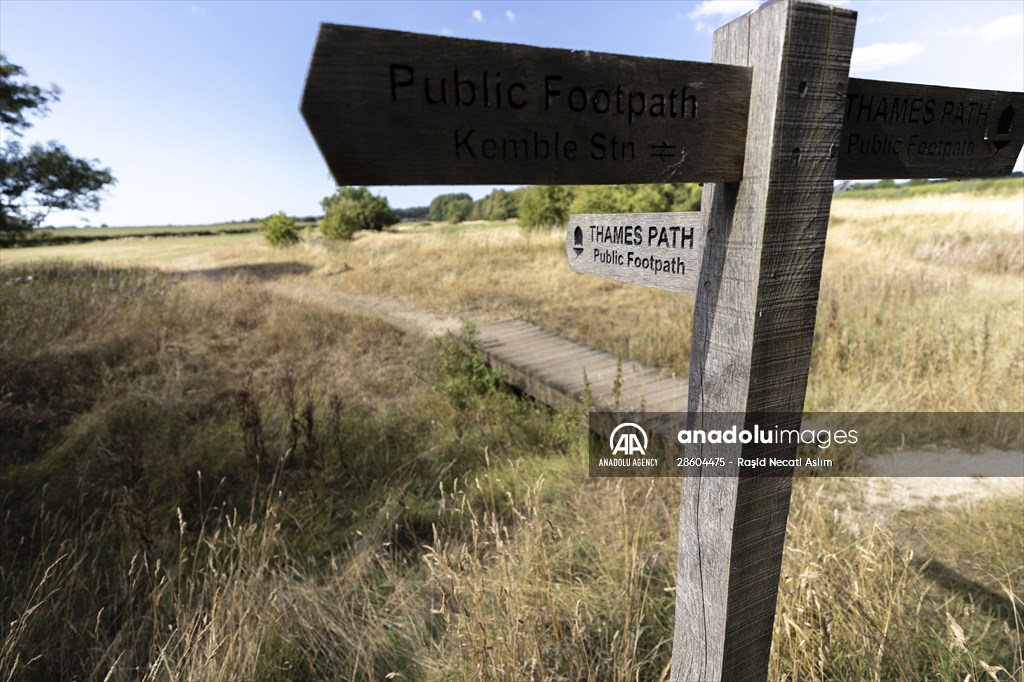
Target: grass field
{"type": "Point", "coordinates": [131, 251]}
{"type": "Point", "coordinates": [56, 236]}
{"type": "Point", "coordinates": [202, 480]}
{"type": "Point", "coordinates": [982, 186]}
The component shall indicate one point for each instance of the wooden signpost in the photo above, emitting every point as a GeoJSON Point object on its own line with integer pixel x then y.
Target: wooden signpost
{"type": "Point", "coordinates": [768, 126]}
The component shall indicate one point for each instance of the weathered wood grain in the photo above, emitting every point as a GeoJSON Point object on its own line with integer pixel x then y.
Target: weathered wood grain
{"type": "Point", "coordinates": [388, 107]}
{"type": "Point", "coordinates": [660, 250]}
{"type": "Point", "coordinates": [753, 327]}
{"type": "Point", "coordinates": [906, 130]}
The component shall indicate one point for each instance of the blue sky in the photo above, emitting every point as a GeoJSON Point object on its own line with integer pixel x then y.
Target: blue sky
{"type": "Point", "coordinates": [195, 105]}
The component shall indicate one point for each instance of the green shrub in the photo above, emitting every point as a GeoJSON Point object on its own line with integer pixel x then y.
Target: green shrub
{"type": "Point", "coordinates": [359, 210]}
{"type": "Point", "coordinates": [341, 220]}
{"type": "Point", "coordinates": [449, 206]}
{"type": "Point", "coordinates": [458, 210]}
{"type": "Point", "coordinates": [280, 230]}
{"type": "Point", "coordinates": [647, 198]}
{"type": "Point", "coordinates": [498, 205]}
{"type": "Point", "coordinates": [544, 206]}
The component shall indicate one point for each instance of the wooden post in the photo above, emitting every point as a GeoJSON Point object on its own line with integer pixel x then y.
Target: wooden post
{"type": "Point", "coordinates": [753, 326]}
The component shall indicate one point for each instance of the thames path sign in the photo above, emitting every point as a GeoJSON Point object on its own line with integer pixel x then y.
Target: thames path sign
{"type": "Point", "coordinates": [660, 250]}
{"type": "Point", "coordinates": [768, 126]}
{"type": "Point", "coordinates": [903, 130]}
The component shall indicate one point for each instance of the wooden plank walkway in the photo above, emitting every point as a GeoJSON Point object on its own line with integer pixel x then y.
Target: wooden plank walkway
{"type": "Point", "coordinates": [552, 368]}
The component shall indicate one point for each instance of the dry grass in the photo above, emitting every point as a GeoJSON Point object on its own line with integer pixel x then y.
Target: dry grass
{"type": "Point", "coordinates": [203, 481]}
{"type": "Point", "coordinates": [132, 251]}
{"type": "Point", "coordinates": [936, 596]}
{"type": "Point", "coordinates": [893, 331]}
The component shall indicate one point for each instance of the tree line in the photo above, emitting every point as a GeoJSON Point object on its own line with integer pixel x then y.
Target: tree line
{"type": "Point", "coordinates": [351, 209]}
{"type": "Point", "coordinates": [550, 205]}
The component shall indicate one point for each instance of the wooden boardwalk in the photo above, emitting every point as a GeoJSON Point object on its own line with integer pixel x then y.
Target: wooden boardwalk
{"type": "Point", "coordinates": [555, 370]}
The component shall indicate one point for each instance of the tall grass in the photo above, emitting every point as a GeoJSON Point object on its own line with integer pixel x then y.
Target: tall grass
{"type": "Point", "coordinates": [173, 443]}
{"type": "Point", "coordinates": [893, 332]}
{"type": "Point", "coordinates": [201, 480]}
{"type": "Point", "coordinates": [874, 604]}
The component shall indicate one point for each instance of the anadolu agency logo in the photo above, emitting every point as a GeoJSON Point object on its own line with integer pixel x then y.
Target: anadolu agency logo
{"type": "Point", "coordinates": [628, 439]}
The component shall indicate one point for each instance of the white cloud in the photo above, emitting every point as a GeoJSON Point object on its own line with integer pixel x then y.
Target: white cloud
{"type": "Point", "coordinates": [510, 15]}
{"type": "Point", "coordinates": [1011, 26]}
{"type": "Point", "coordinates": [1004, 27]}
{"type": "Point", "coordinates": [880, 55]}
{"type": "Point", "coordinates": [954, 31]}
{"type": "Point", "coordinates": [478, 15]}
{"type": "Point", "coordinates": [723, 9]}
{"type": "Point", "coordinates": [446, 31]}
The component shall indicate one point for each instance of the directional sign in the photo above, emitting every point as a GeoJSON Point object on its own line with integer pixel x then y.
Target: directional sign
{"type": "Point", "coordinates": [660, 250]}
{"type": "Point", "coordinates": [388, 107]}
{"type": "Point", "coordinates": [903, 130]}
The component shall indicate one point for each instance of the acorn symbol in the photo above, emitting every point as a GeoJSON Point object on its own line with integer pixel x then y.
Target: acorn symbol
{"type": "Point", "coordinates": [1003, 127]}
{"type": "Point", "coordinates": [577, 241]}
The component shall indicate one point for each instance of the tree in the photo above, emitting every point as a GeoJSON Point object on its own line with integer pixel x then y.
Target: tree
{"type": "Point", "coordinates": [280, 230]}
{"type": "Point", "coordinates": [440, 208]}
{"type": "Point", "coordinates": [341, 220]}
{"type": "Point", "coordinates": [411, 214]}
{"type": "Point", "coordinates": [544, 206]}
{"type": "Point", "coordinates": [354, 208]}
{"type": "Point", "coordinates": [498, 205]}
{"type": "Point", "coordinates": [687, 197]}
{"type": "Point", "coordinates": [635, 198]}
{"type": "Point", "coordinates": [42, 177]}
{"type": "Point", "coordinates": [458, 210]}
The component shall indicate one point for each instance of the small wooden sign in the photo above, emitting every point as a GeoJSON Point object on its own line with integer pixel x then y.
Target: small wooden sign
{"type": "Point", "coordinates": [660, 250]}
{"type": "Point", "coordinates": [905, 130]}
{"type": "Point", "coordinates": [388, 107]}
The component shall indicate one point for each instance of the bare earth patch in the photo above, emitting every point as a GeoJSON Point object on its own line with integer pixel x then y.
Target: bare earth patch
{"type": "Point", "coordinates": [888, 491]}
{"type": "Point", "coordinates": [401, 314]}
{"type": "Point", "coordinates": [893, 486]}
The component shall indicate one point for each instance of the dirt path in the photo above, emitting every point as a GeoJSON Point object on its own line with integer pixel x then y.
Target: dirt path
{"type": "Point", "coordinates": [403, 315]}
{"type": "Point", "coordinates": [893, 483]}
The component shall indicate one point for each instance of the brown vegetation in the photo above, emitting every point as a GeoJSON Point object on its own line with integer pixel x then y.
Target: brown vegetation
{"type": "Point", "coordinates": [203, 480]}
